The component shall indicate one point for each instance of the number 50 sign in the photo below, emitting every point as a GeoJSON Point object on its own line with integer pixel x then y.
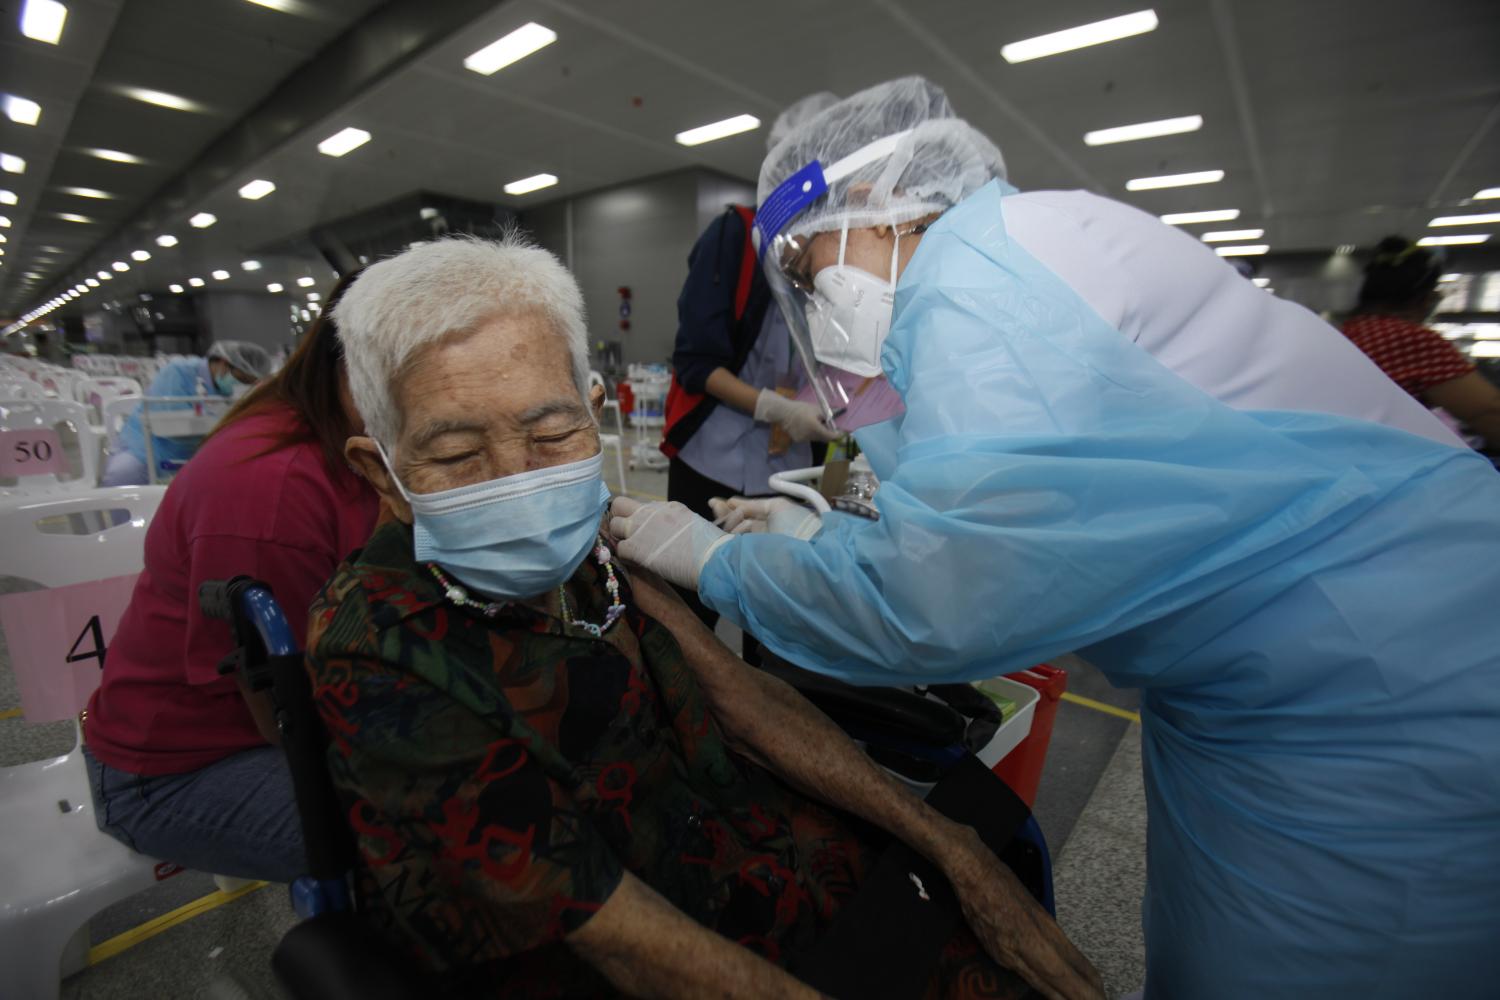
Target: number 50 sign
{"type": "Point", "coordinates": [57, 640]}
{"type": "Point", "coordinates": [30, 453]}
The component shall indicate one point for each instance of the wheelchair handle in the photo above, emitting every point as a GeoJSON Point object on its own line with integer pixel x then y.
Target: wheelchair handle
{"type": "Point", "coordinates": [245, 601]}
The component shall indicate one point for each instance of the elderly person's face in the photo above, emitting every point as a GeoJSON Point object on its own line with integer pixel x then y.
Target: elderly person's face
{"type": "Point", "coordinates": [481, 405]}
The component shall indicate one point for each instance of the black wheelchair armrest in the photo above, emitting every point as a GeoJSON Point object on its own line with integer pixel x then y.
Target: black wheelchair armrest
{"type": "Point", "coordinates": [336, 956]}
{"type": "Point", "coordinates": [874, 714]}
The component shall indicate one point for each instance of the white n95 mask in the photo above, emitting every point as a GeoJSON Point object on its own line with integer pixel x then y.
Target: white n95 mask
{"type": "Point", "coordinates": [850, 314]}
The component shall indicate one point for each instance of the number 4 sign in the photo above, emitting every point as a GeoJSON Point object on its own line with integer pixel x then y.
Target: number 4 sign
{"type": "Point", "coordinates": [30, 453]}
{"type": "Point", "coordinates": [58, 638]}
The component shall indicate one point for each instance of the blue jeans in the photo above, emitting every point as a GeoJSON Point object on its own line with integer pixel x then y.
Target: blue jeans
{"type": "Point", "coordinates": [237, 816]}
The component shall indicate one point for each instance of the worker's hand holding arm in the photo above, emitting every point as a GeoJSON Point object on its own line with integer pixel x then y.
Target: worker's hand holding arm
{"type": "Point", "coordinates": [769, 722]}
{"type": "Point", "coordinates": [665, 538]}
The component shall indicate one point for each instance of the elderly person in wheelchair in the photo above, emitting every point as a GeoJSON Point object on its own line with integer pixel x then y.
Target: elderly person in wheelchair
{"type": "Point", "coordinates": [546, 759]}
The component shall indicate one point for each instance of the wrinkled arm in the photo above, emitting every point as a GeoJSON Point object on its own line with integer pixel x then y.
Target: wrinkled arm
{"type": "Point", "coordinates": [769, 722]}
{"type": "Point", "coordinates": [647, 947]}
{"type": "Point", "coordinates": [766, 720]}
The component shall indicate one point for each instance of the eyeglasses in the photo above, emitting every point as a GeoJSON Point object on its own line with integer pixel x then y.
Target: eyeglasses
{"type": "Point", "coordinates": [797, 268]}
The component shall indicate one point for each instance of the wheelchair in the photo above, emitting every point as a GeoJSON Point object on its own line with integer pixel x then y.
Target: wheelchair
{"type": "Point", "coordinates": [332, 954]}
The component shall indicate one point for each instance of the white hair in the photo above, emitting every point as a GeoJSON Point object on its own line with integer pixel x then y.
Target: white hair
{"type": "Point", "coordinates": [452, 285]}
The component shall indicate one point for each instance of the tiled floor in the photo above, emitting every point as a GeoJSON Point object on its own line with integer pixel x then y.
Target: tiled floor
{"type": "Point", "coordinates": [1090, 806]}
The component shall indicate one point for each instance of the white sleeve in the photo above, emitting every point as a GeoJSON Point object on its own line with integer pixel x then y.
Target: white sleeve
{"type": "Point", "coordinates": [1173, 296]}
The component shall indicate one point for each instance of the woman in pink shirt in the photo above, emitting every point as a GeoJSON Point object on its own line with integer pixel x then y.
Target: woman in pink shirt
{"type": "Point", "coordinates": [183, 762]}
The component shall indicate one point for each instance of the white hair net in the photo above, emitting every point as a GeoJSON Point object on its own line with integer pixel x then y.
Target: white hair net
{"type": "Point", "coordinates": [936, 161]}
{"type": "Point", "coordinates": [252, 359]}
{"type": "Point", "coordinates": [798, 112]}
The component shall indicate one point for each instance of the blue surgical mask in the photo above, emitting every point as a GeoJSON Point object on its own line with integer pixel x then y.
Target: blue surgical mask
{"type": "Point", "coordinates": [514, 537]}
{"type": "Point", "coordinates": [225, 383]}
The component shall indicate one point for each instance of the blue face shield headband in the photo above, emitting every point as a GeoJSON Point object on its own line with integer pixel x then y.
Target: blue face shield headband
{"type": "Point", "coordinates": [515, 537]}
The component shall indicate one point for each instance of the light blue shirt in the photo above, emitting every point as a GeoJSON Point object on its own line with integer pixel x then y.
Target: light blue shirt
{"type": "Point", "coordinates": [184, 377]}
{"type": "Point", "coordinates": [732, 447]}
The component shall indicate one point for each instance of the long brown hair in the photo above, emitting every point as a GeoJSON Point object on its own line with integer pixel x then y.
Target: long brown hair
{"type": "Point", "coordinates": [308, 383]}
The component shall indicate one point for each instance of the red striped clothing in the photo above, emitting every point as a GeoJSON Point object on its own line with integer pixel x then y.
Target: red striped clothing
{"type": "Point", "coordinates": [1412, 356]}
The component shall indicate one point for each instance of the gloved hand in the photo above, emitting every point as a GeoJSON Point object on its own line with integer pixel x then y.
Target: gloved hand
{"type": "Point", "coordinates": [666, 538]}
{"type": "Point", "coordinates": [778, 515]}
{"type": "Point", "coordinates": [801, 421]}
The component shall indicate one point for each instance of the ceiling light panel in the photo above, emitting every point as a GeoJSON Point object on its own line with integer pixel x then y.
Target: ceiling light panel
{"type": "Point", "coordinates": [1229, 235]}
{"type": "Point", "coordinates": [526, 185]}
{"type": "Point", "coordinates": [306, 282]}
{"type": "Point", "coordinates": [718, 130]}
{"type": "Point", "coordinates": [7, 197]}
{"type": "Point", "coordinates": [196, 282]}
{"type": "Point", "coordinates": [140, 255]}
{"type": "Point", "coordinates": [12, 164]}
{"type": "Point", "coordinates": [203, 220]}
{"type": "Point", "coordinates": [175, 289]}
{"type": "Point", "coordinates": [257, 189]}
{"type": "Point", "coordinates": [43, 20]}
{"type": "Point", "coordinates": [1175, 180]}
{"type": "Point", "coordinates": [343, 141]}
{"type": "Point", "coordinates": [112, 155]}
{"type": "Point", "coordinates": [1143, 130]}
{"type": "Point", "coordinates": [1487, 193]}
{"type": "Point", "coordinates": [94, 193]}
{"type": "Point", "coordinates": [274, 287]}
{"type": "Point", "coordinates": [4, 222]}
{"type": "Point", "coordinates": [220, 275]}
{"type": "Point", "coordinates": [1244, 250]}
{"type": "Point", "coordinates": [73, 217]}
{"type": "Point", "coordinates": [1452, 241]}
{"type": "Point", "coordinates": [514, 47]}
{"type": "Point", "coordinates": [250, 265]}
{"type": "Point", "coordinates": [1212, 215]}
{"type": "Point", "coordinates": [162, 99]}
{"type": "Point", "coordinates": [120, 266]}
{"type": "Point", "coordinates": [1483, 219]}
{"type": "Point", "coordinates": [166, 240]}
{"type": "Point", "coordinates": [22, 111]}
{"type": "Point", "coordinates": [1069, 39]}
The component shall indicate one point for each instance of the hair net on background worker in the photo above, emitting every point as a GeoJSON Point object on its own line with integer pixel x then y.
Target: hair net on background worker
{"type": "Point", "coordinates": [938, 161]}
{"type": "Point", "coordinates": [798, 112]}
{"type": "Point", "coordinates": [252, 359]}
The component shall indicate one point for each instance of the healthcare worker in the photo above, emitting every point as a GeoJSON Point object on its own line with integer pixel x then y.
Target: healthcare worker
{"type": "Point", "coordinates": [228, 366]}
{"type": "Point", "coordinates": [1113, 444]}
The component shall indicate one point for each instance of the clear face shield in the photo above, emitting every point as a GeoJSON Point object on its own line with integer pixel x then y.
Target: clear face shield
{"type": "Point", "coordinates": [839, 318]}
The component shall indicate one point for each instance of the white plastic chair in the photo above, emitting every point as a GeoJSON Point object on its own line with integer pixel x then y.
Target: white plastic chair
{"type": "Point", "coordinates": [96, 391]}
{"type": "Point", "coordinates": [60, 868]}
{"type": "Point", "coordinates": [617, 439]}
{"type": "Point", "coordinates": [18, 386]}
{"type": "Point", "coordinates": [54, 415]}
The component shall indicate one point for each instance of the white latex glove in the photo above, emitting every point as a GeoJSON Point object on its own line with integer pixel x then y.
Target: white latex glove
{"type": "Point", "coordinates": [801, 421]}
{"type": "Point", "coordinates": [778, 515]}
{"type": "Point", "coordinates": [666, 538]}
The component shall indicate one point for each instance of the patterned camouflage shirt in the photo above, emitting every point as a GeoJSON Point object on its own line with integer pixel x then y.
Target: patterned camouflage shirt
{"type": "Point", "coordinates": [501, 774]}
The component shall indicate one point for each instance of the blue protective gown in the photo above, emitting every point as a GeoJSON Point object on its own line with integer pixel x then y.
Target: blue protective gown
{"type": "Point", "coordinates": [1307, 602]}
{"type": "Point", "coordinates": [183, 377]}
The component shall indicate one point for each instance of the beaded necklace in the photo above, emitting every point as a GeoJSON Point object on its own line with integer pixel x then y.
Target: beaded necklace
{"type": "Point", "coordinates": [459, 596]}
